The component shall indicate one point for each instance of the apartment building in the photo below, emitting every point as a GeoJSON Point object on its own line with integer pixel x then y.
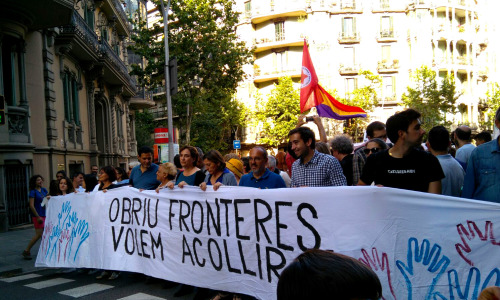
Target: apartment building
{"type": "Point", "coordinates": [69, 98]}
{"type": "Point", "coordinates": [390, 38]}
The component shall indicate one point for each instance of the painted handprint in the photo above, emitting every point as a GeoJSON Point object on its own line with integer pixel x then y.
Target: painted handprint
{"type": "Point", "coordinates": [422, 259]}
{"type": "Point", "coordinates": [474, 284]}
{"type": "Point", "coordinates": [380, 265]}
{"type": "Point", "coordinates": [473, 238]}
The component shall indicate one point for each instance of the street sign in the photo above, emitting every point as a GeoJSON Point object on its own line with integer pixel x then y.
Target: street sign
{"type": "Point", "coordinates": [236, 144]}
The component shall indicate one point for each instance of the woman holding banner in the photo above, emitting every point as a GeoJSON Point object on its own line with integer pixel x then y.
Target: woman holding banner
{"type": "Point", "coordinates": [218, 174]}
{"type": "Point", "coordinates": [191, 174]}
{"type": "Point", "coordinates": [166, 174]}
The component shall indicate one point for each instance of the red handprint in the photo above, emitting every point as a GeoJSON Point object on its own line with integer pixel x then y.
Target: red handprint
{"type": "Point", "coordinates": [380, 265]}
{"type": "Point", "coordinates": [469, 233]}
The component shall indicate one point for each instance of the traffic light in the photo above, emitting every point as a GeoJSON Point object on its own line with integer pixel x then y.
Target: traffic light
{"type": "Point", "coordinates": [172, 68]}
{"type": "Point", "coordinates": [2, 110]}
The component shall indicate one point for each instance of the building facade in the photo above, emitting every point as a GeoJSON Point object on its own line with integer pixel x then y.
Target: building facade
{"type": "Point", "coordinates": [390, 38]}
{"type": "Point", "coordinates": [68, 94]}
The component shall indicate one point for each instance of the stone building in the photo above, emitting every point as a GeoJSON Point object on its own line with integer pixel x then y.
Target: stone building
{"type": "Point", "coordinates": [69, 98]}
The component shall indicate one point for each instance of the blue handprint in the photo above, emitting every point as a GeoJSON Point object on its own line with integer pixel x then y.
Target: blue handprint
{"type": "Point", "coordinates": [430, 258]}
{"type": "Point", "coordinates": [473, 284]}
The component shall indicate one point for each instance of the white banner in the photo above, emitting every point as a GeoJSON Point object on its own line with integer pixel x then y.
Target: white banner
{"type": "Point", "coordinates": [422, 246]}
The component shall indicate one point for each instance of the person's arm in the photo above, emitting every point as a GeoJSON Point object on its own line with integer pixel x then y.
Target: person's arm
{"type": "Point", "coordinates": [301, 120]}
{"type": "Point", "coordinates": [470, 179]}
{"type": "Point", "coordinates": [360, 182]}
{"type": "Point", "coordinates": [435, 187]}
{"type": "Point", "coordinates": [33, 210]}
{"type": "Point", "coordinates": [321, 129]}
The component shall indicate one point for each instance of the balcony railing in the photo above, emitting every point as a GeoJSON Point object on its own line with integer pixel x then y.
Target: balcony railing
{"type": "Point", "coordinates": [349, 4]}
{"type": "Point", "coordinates": [388, 66]}
{"type": "Point", "coordinates": [389, 33]}
{"type": "Point", "coordinates": [115, 60]}
{"type": "Point", "coordinates": [349, 37]}
{"type": "Point", "coordinates": [121, 14]}
{"type": "Point", "coordinates": [351, 69]}
{"type": "Point", "coordinates": [79, 27]}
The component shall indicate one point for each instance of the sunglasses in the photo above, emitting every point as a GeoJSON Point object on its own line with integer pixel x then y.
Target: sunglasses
{"type": "Point", "coordinates": [372, 150]}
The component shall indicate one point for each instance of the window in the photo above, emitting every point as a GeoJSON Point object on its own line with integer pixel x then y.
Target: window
{"type": "Point", "coordinates": [385, 4]}
{"type": "Point", "coordinates": [386, 28]}
{"type": "Point", "coordinates": [348, 27]}
{"type": "Point", "coordinates": [71, 101]}
{"type": "Point", "coordinates": [386, 53]}
{"type": "Point", "coordinates": [389, 87]}
{"type": "Point", "coordinates": [88, 15]}
{"type": "Point", "coordinates": [349, 56]}
{"type": "Point", "coordinates": [279, 29]}
{"type": "Point", "coordinates": [281, 61]}
{"type": "Point", "coordinates": [350, 85]}
{"type": "Point", "coordinates": [248, 8]}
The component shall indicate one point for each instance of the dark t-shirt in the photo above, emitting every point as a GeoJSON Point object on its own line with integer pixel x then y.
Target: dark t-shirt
{"type": "Point", "coordinates": [413, 172]}
{"type": "Point", "coordinates": [346, 164]}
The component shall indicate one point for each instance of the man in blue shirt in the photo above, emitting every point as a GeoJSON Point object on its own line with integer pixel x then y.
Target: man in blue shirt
{"type": "Point", "coordinates": [483, 170]}
{"type": "Point", "coordinates": [261, 177]}
{"type": "Point", "coordinates": [143, 176]}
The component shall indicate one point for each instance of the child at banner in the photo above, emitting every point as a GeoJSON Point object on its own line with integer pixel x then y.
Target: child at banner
{"type": "Point", "coordinates": [37, 193]}
{"type": "Point", "coordinates": [319, 274]}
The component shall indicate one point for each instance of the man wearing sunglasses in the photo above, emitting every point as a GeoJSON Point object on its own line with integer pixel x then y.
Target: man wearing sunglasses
{"type": "Point", "coordinates": [374, 130]}
{"type": "Point", "coordinates": [403, 166]}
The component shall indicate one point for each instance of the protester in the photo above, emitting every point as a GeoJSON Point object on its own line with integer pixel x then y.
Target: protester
{"type": "Point", "coordinates": [313, 168]}
{"type": "Point", "coordinates": [236, 166]}
{"type": "Point", "coordinates": [374, 146]}
{"type": "Point", "coordinates": [177, 161]}
{"type": "Point", "coordinates": [54, 184]}
{"type": "Point", "coordinates": [218, 174]}
{"type": "Point", "coordinates": [191, 174]}
{"type": "Point", "coordinates": [375, 130]}
{"type": "Point", "coordinates": [271, 165]}
{"type": "Point", "coordinates": [78, 182]}
{"type": "Point", "coordinates": [481, 178]}
{"type": "Point", "coordinates": [166, 174]}
{"type": "Point", "coordinates": [490, 293]}
{"type": "Point", "coordinates": [322, 147]}
{"type": "Point", "coordinates": [121, 176]}
{"type": "Point", "coordinates": [302, 120]}
{"type": "Point", "coordinates": [290, 158]}
{"type": "Point", "coordinates": [65, 187]}
{"type": "Point", "coordinates": [482, 138]}
{"type": "Point", "coordinates": [261, 177]}
{"type": "Point", "coordinates": [438, 143]}
{"type": "Point", "coordinates": [132, 165]}
{"type": "Point", "coordinates": [143, 176]}
{"type": "Point", "coordinates": [280, 161]}
{"type": "Point", "coordinates": [107, 175]}
{"type": "Point", "coordinates": [36, 195]}
{"type": "Point", "coordinates": [342, 148]}
{"type": "Point", "coordinates": [200, 164]}
{"type": "Point", "coordinates": [403, 166]}
{"type": "Point", "coordinates": [230, 156]}
{"type": "Point", "coordinates": [462, 139]}
{"type": "Point", "coordinates": [320, 274]}
{"type": "Point", "coordinates": [246, 164]}
{"type": "Point", "coordinates": [91, 180]}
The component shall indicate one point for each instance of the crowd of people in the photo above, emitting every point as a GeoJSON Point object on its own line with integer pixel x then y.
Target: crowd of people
{"type": "Point", "coordinates": [394, 155]}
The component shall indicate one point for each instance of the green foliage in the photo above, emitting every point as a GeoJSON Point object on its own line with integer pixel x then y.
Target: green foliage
{"type": "Point", "coordinates": [202, 36]}
{"type": "Point", "coordinates": [144, 128]}
{"type": "Point", "coordinates": [365, 97]}
{"type": "Point", "coordinates": [278, 115]}
{"type": "Point", "coordinates": [433, 102]}
{"type": "Point", "coordinates": [488, 107]}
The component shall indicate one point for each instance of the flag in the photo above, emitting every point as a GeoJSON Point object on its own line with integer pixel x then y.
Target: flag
{"type": "Point", "coordinates": [314, 95]}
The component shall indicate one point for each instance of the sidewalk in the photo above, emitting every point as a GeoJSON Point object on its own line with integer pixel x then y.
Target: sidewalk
{"type": "Point", "coordinates": [12, 244]}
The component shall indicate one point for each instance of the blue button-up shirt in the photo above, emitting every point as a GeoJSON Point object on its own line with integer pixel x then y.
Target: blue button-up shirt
{"type": "Point", "coordinates": [146, 180]}
{"type": "Point", "coordinates": [268, 180]}
{"type": "Point", "coordinates": [482, 179]}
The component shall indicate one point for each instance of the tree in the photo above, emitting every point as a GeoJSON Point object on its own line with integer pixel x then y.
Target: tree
{"type": "Point", "coordinates": [210, 58]}
{"type": "Point", "coordinates": [278, 115]}
{"type": "Point", "coordinates": [432, 101]}
{"type": "Point", "coordinates": [144, 127]}
{"type": "Point", "coordinates": [365, 97]}
{"type": "Point", "coordinates": [488, 107]}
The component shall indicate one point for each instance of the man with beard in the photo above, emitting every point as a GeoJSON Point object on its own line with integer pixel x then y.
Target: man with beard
{"type": "Point", "coordinates": [313, 168]}
{"type": "Point", "coordinates": [260, 176]}
{"type": "Point", "coordinates": [403, 166]}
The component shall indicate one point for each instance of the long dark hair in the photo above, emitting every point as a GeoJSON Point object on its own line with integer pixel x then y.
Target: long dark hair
{"type": "Point", "coordinates": [33, 181]}
{"type": "Point", "coordinates": [69, 183]}
{"type": "Point", "coordinates": [215, 157]}
{"type": "Point", "coordinates": [110, 171]}
{"type": "Point", "coordinates": [122, 172]}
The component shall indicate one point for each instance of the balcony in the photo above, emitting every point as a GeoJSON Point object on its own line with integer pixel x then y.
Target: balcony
{"type": "Point", "coordinates": [117, 70]}
{"type": "Point", "coordinates": [278, 9]}
{"type": "Point", "coordinates": [352, 69]}
{"type": "Point", "coordinates": [381, 6]}
{"type": "Point", "coordinates": [462, 60]}
{"type": "Point", "coordinates": [114, 11]}
{"type": "Point", "coordinates": [142, 99]}
{"type": "Point", "coordinates": [278, 41]}
{"type": "Point", "coordinates": [269, 75]}
{"type": "Point", "coordinates": [349, 7]}
{"type": "Point", "coordinates": [83, 40]}
{"type": "Point", "coordinates": [387, 35]}
{"type": "Point", "coordinates": [349, 38]}
{"type": "Point", "coordinates": [388, 66]}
